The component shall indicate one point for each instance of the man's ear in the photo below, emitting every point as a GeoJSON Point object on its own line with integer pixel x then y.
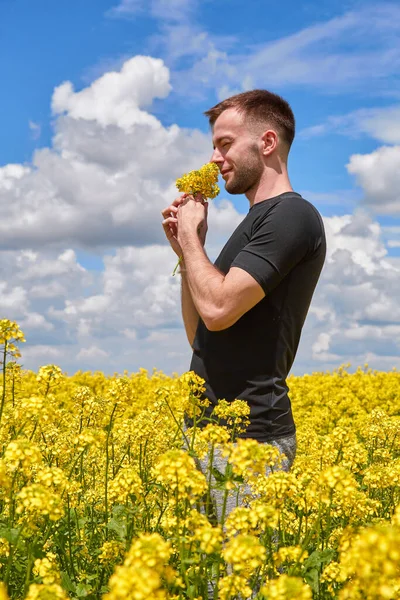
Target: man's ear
{"type": "Point", "coordinates": [269, 141]}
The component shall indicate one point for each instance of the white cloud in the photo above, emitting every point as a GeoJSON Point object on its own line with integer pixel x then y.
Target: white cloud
{"type": "Point", "coordinates": [36, 130]}
{"type": "Point", "coordinates": [129, 316]}
{"type": "Point", "coordinates": [41, 354]}
{"type": "Point", "coordinates": [115, 98]}
{"type": "Point", "coordinates": [92, 353]}
{"type": "Point", "coordinates": [342, 53]}
{"type": "Point", "coordinates": [354, 313]}
{"type": "Point", "coordinates": [35, 321]}
{"type": "Point", "coordinates": [126, 8]}
{"type": "Point", "coordinates": [378, 174]}
{"type": "Point", "coordinates": [111, 169]}
{"type": "Point", "coordinates": [12, 298]}
{"type": "Point", "coordinates": [103, 183]}
{"type": "Point", "coordinates": [167, 10]}
{"type": "Point", "coordinates": [382, 124]}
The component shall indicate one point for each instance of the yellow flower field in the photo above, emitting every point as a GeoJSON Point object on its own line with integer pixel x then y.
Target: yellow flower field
{"type": "Point", "coordinates": [99, 500]}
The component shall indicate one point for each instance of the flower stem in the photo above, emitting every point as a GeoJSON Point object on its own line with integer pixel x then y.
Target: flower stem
{"type": "Point", "coordinates": [177, 264]}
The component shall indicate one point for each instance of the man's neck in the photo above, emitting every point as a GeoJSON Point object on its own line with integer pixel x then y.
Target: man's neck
{"type": "Point", "coordinates": [273, 182]}
{"type": "Point", "coordinates": [269, 188]}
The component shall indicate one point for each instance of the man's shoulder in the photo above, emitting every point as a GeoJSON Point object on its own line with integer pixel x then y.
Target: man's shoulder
{"type": "Point", "coordinates": [288, 208]}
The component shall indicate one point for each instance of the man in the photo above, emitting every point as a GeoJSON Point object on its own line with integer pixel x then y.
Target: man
{"type": "Point", "coordinates": [244, 315]}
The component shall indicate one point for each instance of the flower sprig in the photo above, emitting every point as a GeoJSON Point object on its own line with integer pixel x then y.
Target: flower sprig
{"type": "Point", "coordinates": [202, 181]}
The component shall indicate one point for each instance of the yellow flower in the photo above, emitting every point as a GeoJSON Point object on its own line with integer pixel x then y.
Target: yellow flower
{"type": "Point", "coordinates": [22, 454]}
{"type": "Point", "coordinates": [47, 569]}
{"type": "Point", "coordinates": [235, 413]}
{"type": "Point", "coordinates": [290, 554]}
{"type": "Point", "coordinates": [177, 471]}
{"type": "Point", "coordinates": [42, 591]}
{"type": "Point", "coordinates": [35, 501]}
{"type": "Point", "coordinates": [3, 592]}
{"type": "Point", "coordinates": [371, 564]}
{"type": "Point", "coordinates": [203, 181]}
{"type": "Point", "coordinates": [127, 482]}
{"type": "Point", "coordinates": [111, 552]}
{"type": "Point", "coordinates": [249, 458]}
{"type": "Point", "coordinates": [231, 586]}
{"type": "Point", "coordinates": [200, 530]}
{"type": "Point", "coordinates": [286, 588]}
{"type": "Point", "coordinates": [141, 575]}
{"type": "Point", "coordinates": [9, 330]}
{"type": "Point", "coordinates": [244, 553]}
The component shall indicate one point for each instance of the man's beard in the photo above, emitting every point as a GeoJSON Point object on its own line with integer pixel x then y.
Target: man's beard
{"type": "Point", "coordinates": [247, 175]}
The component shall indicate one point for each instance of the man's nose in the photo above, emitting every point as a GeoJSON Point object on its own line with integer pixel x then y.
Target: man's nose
{"type": "Point", "coordinates": [216, 156]}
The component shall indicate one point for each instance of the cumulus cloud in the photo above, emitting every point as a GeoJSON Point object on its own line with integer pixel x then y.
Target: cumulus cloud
{"type": "Point", "coordinates": [116, 98]}
{"type": "Point", "coordinates": [110, 171]}
{"type": "Point", "coordinates": [354, 316]}
{"type": "Point", "coordinates": [91, 353]}
{"type": "Point", "coordinates": [103, 183]}
{"type": "Point", "coordinates": [128, 316]}
{"type": "Point", "coordinates": [378, 174]}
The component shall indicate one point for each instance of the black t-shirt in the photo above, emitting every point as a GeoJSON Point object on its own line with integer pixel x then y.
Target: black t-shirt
{"type": "Point", "coordinates": [281, 243]}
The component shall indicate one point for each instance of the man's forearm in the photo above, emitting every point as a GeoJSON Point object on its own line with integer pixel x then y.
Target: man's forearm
{"type": "Point", "coordinates": [189, 312]}
{"type": "Point", "coordinates": [204, 280]}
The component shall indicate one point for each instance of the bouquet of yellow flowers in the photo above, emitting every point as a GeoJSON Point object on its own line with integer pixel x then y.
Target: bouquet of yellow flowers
{"type": "Point", "coordinates": [203, 181]}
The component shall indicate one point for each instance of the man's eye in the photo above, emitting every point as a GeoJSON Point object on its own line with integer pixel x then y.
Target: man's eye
{"type": "Point", "coordinates": [226, 144]}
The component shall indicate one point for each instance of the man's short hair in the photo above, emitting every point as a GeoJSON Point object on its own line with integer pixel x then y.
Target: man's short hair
{"type": "Point", "coordinates": [260, 106]}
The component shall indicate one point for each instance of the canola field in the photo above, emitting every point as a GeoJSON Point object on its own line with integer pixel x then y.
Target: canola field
{"type": "Point", "coordinates": [99, 499]}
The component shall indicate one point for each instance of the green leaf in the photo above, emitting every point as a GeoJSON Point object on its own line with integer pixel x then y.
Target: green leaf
{"type": "Point", "coordinates": [318, 558]}
{"type": "Point", "coordinates": [118, 527]}
{"type": "Point", "coordinates": [118, 510]}
{"type": "Point", "coordinates": [66, 582]}
{"type": "Point", "coordinates": [10, 535]}
{"type": "Point", "coordinates": [219, 477]}
{"type": "Point", "coordinates": [83, 590]}
{"type": "Point", "coordinates": [312, 578]}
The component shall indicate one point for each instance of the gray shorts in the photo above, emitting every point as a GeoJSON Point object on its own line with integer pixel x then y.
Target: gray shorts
{"type": "Point", "coordinates": [286, 445]}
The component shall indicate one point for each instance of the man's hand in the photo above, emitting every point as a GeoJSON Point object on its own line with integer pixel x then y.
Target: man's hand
{"type": "Point", "coordinates": [192, 217]}
{"type": "Point", "coordinates": [170, 222]}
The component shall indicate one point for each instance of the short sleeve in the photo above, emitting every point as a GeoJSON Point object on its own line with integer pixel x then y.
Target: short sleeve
{"type": "Point", "coordinates": [280, 239]}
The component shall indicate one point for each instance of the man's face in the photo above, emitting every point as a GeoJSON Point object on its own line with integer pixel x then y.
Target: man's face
{"type": "Point", "coordinates": [236, 152]}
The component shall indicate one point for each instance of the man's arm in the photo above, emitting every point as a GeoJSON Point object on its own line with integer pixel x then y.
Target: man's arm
{"type": "Point", "coordinates": [219, 300]}
{"type": "Point", "coordinates": [189, 312]}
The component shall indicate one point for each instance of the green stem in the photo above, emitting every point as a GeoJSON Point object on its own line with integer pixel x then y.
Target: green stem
{"type": "Point", "coordinates": [11, 556]}
{"type": "Point", "coordinates": [28, 572]}
{"type": "Point", "coordinates": [106, 477]}
{"type": "Point", "coordinates": [177, 264]}
{"type": "Point", "coordinates": [69, 540]}
{"type": "Point", "coordinates": [3, 396]}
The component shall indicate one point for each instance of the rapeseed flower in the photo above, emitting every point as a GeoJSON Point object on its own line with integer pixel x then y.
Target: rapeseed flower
{"type": "Point", "coordinates": [3, 592]}
{"type": "Point", "coordinates": [286, 588]}
{"type": "Point", "coordinates": [202, 181]}
{"type": "Point", "coordinates": [42, 591]}
{"type": "Point", "coordinates": [141, 575]}
{"type": "Point", "coordinates": [244, 553]}
{"type": "Point", "coordinates": [90, 462]}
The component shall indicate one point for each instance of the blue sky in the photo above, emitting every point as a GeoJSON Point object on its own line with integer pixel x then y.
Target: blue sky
{"type": "Point", "coordinates": [337, 63]}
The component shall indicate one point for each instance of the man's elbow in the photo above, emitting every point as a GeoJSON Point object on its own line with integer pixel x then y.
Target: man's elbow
{"type": "Point", "coordinates": [218, 321]}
